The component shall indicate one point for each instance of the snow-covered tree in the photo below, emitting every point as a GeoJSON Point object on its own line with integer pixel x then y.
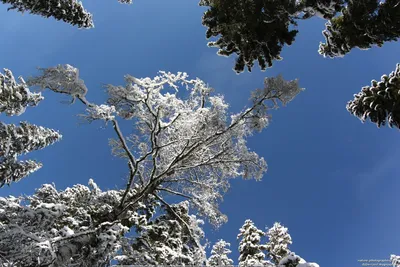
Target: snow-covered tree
{"type": "Point", "coordinates": [166, 240]}
{"type": "Point", "coordinates": [278, 243]}
{"type": "Point", "coordinates": [14, 96]}
{"type": "Point", "coordinates": [292, 260]}
{"type": "Point", "coordinates": [278, 254]}
{"type": "Point", "coordinates": [219, 254]}
{"type": "Point", "coordinates": [17, 140]}
{"type": "Point", "coordinates": [76, 227]}
{"type": "Point", "coordinates": [250, 247]}
{"type": "Point", "coordinates": [183, 147]}
{"type": "Point", "coordinates": [12, 170]}
{"type": "Point", "coordinates": [69, 11]}
{"type": "Point", "coordinates": [395, 260]}
{"type": "Point", "coordinates": [379, 102]}
{"type": "Point", "coordinates": [326, 9]}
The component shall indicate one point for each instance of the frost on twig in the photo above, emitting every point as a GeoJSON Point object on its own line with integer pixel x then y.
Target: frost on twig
{"type": "Point", "coordinates": [14, 96]}
{"type": "Point", "coordinates": [102, 112]}
{"type": "Point", "coordinates": [61, 79]}
{"type": "Point", "coordinates": [192, 137]}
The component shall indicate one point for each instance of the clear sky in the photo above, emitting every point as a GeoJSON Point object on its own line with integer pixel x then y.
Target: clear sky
{"type": "Point", "coordinates": [332, 180]}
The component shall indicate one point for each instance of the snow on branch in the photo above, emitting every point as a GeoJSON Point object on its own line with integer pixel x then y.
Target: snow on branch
{"type": "Point", "coordinates": [14, 96]}
{"type": "Point", "coordinates": [379, 102]}
{"type": "Point", "coordinates": [61, 79]}
{"type": "Point", "coordinates": [13, 171]}
{"type": "Point", "coordinates": [278, 242]}
{"type": "Point", "coordinates": [73, 227]}
{"type": "Point", "coordinates": [102, 112]}
{"type": "Point", "coordinates": [167, 240]}
{"type": "Point", "coordinates": [18, 140]}
{"type": "Point", "coordinates": [293, 260]}
{"type": "Point", "coordinates": [219, 254]}
{"type": "Point", "coordinates": [185, 145]}
{"type": "Point", "coordinates": [69, 11]}
{"type": "Point", "coordinates": [395, 260]}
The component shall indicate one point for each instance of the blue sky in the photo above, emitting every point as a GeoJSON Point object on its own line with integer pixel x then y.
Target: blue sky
{"type": "Point", "coordinates": [331, 180]}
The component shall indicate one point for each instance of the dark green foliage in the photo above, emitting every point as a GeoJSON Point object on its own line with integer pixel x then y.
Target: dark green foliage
{"type": "Point", "coordinates": [326, 9]}
{"type": "Point", "coordinates": [362, 24]}
{"type": "Point", "coordinates": [258, 29]}
{"type": "Point", "coordinates": [254, 30]}
{"type": "Point", "coordinates": [379, 102]}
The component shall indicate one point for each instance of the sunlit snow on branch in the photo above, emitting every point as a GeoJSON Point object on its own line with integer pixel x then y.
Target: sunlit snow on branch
{"type": "Point", "coordinates": [293, 260]}
{"type": "Point", "coordinates": [181, 146]}
{"type": "Point", "coordinates": [69, 11]}
{"type": "Point", "coordinates": [379, 102]}
{"type": "Point", "coordinates": [278, 242]}
{"type": "Point", "coordinates": [61, 79]}
{"type": "Point", "coordinates": [53, 227]}
{"type": "Point", "coordinates": [102, 112]}
{"type": "Point", "coordinates": [12, 170]}
{"type": "Point", "coordinates": [219, 254]}
{"type": "Point", "coordinates": [395, 260]}
{"type": "Point", "coordinates": [14, 96]}
{"type": "Point", "coordinates": [18, 140]}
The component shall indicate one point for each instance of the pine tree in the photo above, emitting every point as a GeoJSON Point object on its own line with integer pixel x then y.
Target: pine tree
{"type": "Point", "coordinates": [219, 254]}
{"type": "Point", "coordinates": [293, 260]}
{"type": "Point", "coordinates": [69, 11]}
{"type": "Point", "coordinates": [17, 140]}
{"type": "Point", "coordinates": [379, 102]}
{"type": "Point", "coordinates": [278, 242]}
{"type": "Point", "coordinates": [362, 24]}
{"type": "Point", "coordinates": [13, 171]}
{"type": "Point", "coordinates": [257, 30]}
{"type": "Point", "coordinates": [167, 240]}
{"type": "Point", "coordinates": [250, 249]}
{"type": "Point", "coordinates": [325, 9]}
{"type": "Point", "coordinates": [14, 96]}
